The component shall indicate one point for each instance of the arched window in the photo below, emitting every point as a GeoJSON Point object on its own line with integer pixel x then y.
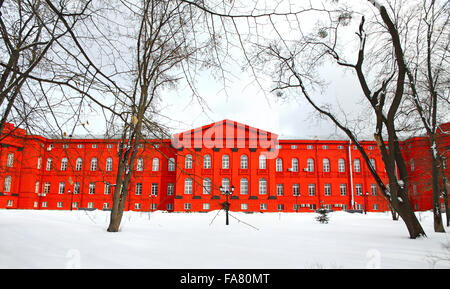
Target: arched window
{"type": "Point", "coordinates": [372, 162]}
{"type": "Point", "coordinates": [207, 162]}
{"type": "Point", "coordinates": [49, 164]}
{"type": "Point", "coordinates": [188, 162]}
{"type": "Point", "coordinates": [206, 186]}
{"type": "Point", "coordinates": [279, 165]}
{"type": "Point", "coordinates": [188, 186]}
{"type": "Point", "coordinates": [226, 184]}
{"type": "Point", "coordinates": [262, 162]}
{"type": "Point", "coordinates": [155, 164]}
{"type": "Point", "coordinates": [295, 165]}
{"type": "Point", "coordinates": [140, 164]}
{"type": "Point", "coordinates": [244, 186]}
{"type": "Point", "coordinates": [10, 161]}
{"type": "Point", "coordinates": [262, 186]}
{"type": "Point", "coordinates": [341, 164]}
{"type": "Point", "coordinates": [79, 164]}
{"type": "Point", "coordinates": [310, 165]}
{"type": "Point", "coordinates": [171, 166]}
{"type": "Point", "coordinates": [244, 162]}
{"type": "Point", "coordinates": [7, 187]}
{"type": "Point", "coordinates": [225, 162]}
{"type": "Point", "coordinates": [356, 165]}
{"type": "Point", "coordinates": [109, 164]}
{"type": "Point", "coordinates": [94, 163]}
{"type": "Point", "coordinates": [326, 165]}
{"type": "Point", "coordinates": [64, 164]}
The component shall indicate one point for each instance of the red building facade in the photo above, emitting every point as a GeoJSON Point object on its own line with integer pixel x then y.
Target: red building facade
{"type": "Point", "coordinates": [185, 173]}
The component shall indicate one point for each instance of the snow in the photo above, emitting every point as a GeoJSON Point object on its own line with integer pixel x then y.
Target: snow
{"type": "Point", "coordinates": [78, 239]}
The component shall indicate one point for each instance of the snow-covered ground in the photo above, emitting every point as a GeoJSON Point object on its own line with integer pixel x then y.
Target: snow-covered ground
{"type": "Point", "coordinates": [78, 239]}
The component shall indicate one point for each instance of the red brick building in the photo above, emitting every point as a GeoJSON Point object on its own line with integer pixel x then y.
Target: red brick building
{"type": "Point", "coordinates": [184, 173]}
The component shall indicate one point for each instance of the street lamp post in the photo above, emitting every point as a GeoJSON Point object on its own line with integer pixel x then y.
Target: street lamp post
{"type": "Point", "coordinates": [226, 205]}
{"type": "Point", "coordinates": [71, 198]}
{"type": "Point", "coordinates": [365, 202]}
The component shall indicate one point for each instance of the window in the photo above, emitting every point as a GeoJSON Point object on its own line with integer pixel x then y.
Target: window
{"type": "Point", "coordinates": [90, 205]}
{"type": "Point", "coordinates": [79, 164]}
{"type": "Point", "coordinates": [206, 206]}
{"type": "Point", "coordinates": [65, 146]}
{"type": "Point", "coordinates": [341, 164]}
{"type": "Point", "coordinates": [94, 164]}
{"type": "Point", "coordinates": [295, 165]}
{"type": "Point", "coordinates": [109, 146]}
{"type": "Point", "coordinates": [375, 207]}
{"type": "Point", "coordinates": [62, 187]}
{"type": "Point", "coordinates": [137, 206]}
{"type": "Point", "coordinates": [279, 165]}
{"type": "Point", "coordinates": [312, 189]}
{"type": "Point", "coordinates": [244, 206]}
{"type": "Point", "coordinates": [310, 165]}
{"type": "Point", "coordinates": [91, 188]}
{"type": "Point", "coordinates": [280, 207]}
{"type": "Point", "coordinates": [225, 162]}
{"type": "Point", "coordinates": [244, 186]}
{"type": "Point", "coordinates": [75, 205]}
{"type": "Point", "coordinates": [105, 206]}
{"type": "Point", "coordinates": [47, 188]}
{"type": "Point", "coordinates": [187, 206]}
{"type": "Point", "coordinates": [309, 147]}
{"type": "Point", "coordinates": [80, 146]}
{"type": "Point", "coordinates": [59, 204]}
{"type": "Point", "coordinates": [171, 166]}
{"type": "Point", "coordinates": [76, 188]}
{"type": "Point", "coordinates": [293, 147]}
{"type": "Point", "coordinates": [169, 207]}
{"type": "Point", "coordinates": [340, 147]}
{"type": "Point", "coordinates": [372, 162]}
{"type": "Point", "coordinates": [343, 188]}
{"type": "Point", "coordinates": [10, 161]}
{"type": "Point", "coordinates": [374, 189]}
{"type": "Point", "coordinates": [109, 164]}
{"type": "Point", "coordinates": [188, 186]}
{"type": "Point", "coordinates": [36, 187]}
{"type": "Point", "coordinates": [370, 148]}
{"type": "Point", "coordinates": [263, 206]}
{"type": "Point", "coordinates": [280, 189]}
{"type": "Point", "coordinates": [358, 188]}
{"type": "Point", "coordinates": [154, 189]}
{"type": "Point", "coordinates": [326, 165]}
{"type": "Point", "coordinates": [170, 188]}
{"type": "Point", "coordinates": [64, 164]}
{"type": "Point", "coordinates": [244, 162]}
{"type": "Point", "coordinates": [415, 190]}
{"type": "Point", "coordinates": [138, 189]}
{"type": "Point", "coordinates": [356, 166]}
{"type": "Point", "coordinates": [140, 164]}
{"type": "Point", "coordinates": [296, 190]}
{"type": "Point", "coordinates": [39, 163]}
{"type": "Point", "coordinates": [7, 186]}
{"type": "Point", "coordinates": [327, 189]}
{"type": "Point", "coordinates": [188, 162]}
{"type": "Point", "coordinates": [262, 162]}
{"type": "Point", "coordinates": [49, 164]}
{"type": "Point", "coordinates": [94, 146]}
{"type": "Point", "coordinates": [207, 162]}
{"type": "Point", "coordinates": [262, 186]}
{"type": "Point", "coordinates": [107, 188]}
{"type": "Point", "coordinates": [44, 204]}
{"type": "Point", "coordinates": [206, 186]}
{"type": "Point", "coordinates": [413, 167]}
{"type": "Point", "coordinates": [226, 184]}
{"type": "Point", "coordinates": [324, 147]}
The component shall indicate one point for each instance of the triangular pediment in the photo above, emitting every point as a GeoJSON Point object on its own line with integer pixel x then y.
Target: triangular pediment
{"type": "Point", "coordinates": [226, 134]}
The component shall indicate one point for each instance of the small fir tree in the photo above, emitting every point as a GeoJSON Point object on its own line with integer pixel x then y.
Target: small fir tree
{"type": "Point", "coordinates": [323, 215]}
